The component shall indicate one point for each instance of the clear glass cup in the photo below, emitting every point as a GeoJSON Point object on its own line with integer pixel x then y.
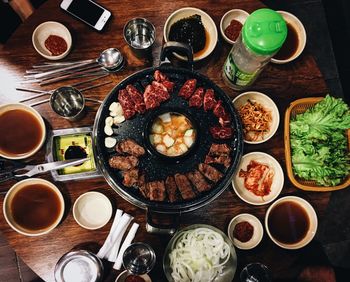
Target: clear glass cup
{"type": "Point", "coordinates": [255, 272]}
{"type": "Point", "coordinates": [139, 258]}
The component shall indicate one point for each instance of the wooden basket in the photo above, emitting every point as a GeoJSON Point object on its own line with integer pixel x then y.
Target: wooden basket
{"type": "Point", "coordinates": [297, 107]}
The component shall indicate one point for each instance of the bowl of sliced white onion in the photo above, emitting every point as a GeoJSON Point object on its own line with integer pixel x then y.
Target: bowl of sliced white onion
{"type": "Point", "coordinates": [200, 253]}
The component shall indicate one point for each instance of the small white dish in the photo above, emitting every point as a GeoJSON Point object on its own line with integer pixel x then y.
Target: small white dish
{"type": "Point", "coordinates": [43, 31]}
{"type": "Point", "coordinates": [122, 276]}
{"type": "Point", "coordinates": [276, 186]}
{"type": "Point", "coordinates": [313, 222]}
{"type": "Point", "coordinates": [235, 14]}
{"type": "Point", "coordinates": [208, 23]}
{"type": "Point", "coordinates": [92, 210]}
{"type": "Point", "coordinates": [299, 27]}
{"type": "Point", "coordinates": [268, 105]}
{"type": "Point", "coordinates": [257, 234]}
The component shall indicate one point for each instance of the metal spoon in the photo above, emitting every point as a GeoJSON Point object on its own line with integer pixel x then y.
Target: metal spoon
{"type": "Point", "coordinates": [110, 59]}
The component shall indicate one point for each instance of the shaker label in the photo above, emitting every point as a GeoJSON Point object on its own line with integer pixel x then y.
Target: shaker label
{"type": "Point", "coordinates": [235, 75]}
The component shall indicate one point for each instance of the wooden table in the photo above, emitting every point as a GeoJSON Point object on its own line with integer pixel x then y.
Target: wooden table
{"type": "Point", "coordinates": [283, 83]}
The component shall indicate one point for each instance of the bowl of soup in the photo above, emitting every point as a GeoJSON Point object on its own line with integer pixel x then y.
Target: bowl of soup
{"type": "Point", "coordinates": [291, 222]}
{"type": "Point", "coordinates": [171, 134]}
{"type": "Point", "coordinates": [22, 131]}
{"type": "Point", "coordinates": [33, 207]}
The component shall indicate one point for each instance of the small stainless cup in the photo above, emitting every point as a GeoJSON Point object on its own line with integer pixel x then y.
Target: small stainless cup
{"type": "Point", "coordinates": [68, 102]}
{"type": "Point", "coordinates": [140, 35]}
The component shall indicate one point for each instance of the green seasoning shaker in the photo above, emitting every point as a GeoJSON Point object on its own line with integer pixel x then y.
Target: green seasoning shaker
{"type": "Point", "coordinates": [262, 35]}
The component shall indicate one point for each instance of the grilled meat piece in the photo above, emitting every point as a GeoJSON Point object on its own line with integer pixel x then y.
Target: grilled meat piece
{"type": "Point", "coordinates": [127, 104]}
{"type": "Point", "coordinates": [219, 149]}
{"type": "Point", "coordinates": [156, 190]}
{"type": "Point", "coordinates": [198, 181]}
{"type": "Point", "coordinates": [219, 132]}
{"type": "Point", "coordinates": [163, 79]}
{"type": "Point", "coordinates": [219, 110]}
{"type": "Point", "coordinates": [171, 188]}
{"type": "Point", "coordinates": [184, 186]}
{"type": "Point", "coordinates": [137, 98]}
{"type": "Point", "coordinates": [188, 88]}
{"type": "Point", "coordinates": [159, 76]}
{"type": "Point", "coordinates": [209, 101]}
{"type": "Point", "coordinates": [150, 98]}
{"type": "Point", "coordinates": [161, 91]}
{"type": "Point", "coordinates": [210, 172]}
{"type": "Point", "coordinates": [131, 177]}
{"type": "Point", "coordinates": [143, 188]}
{"type": "Point", "coordinates": [129, 146]}
{"type": "Point", "coordinates": [224, 160]}
{"type": "Point", "coordinates": [169, 85]}
{"type": "Point", "coordinates": [225, 120]}
{"type": "Point", "coordinates": [196, 99]}
{"type": "Point", "coordinates": [123, 162]}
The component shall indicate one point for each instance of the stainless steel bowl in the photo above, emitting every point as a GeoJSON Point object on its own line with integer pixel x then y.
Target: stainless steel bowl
{"type": "Point", "coordinates": [79, 265]}
{"type": "Point", "coordinates": [140, 35]}
{"type": "Point", "coordinates": [68, 102]}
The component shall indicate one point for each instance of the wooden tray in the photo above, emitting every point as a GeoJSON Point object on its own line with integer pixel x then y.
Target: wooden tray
{"type": "Point", "coordinates": [297, 107]}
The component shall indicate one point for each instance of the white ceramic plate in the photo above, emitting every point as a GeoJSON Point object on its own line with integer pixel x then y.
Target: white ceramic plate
{"type": "Point", "coordinates": [268, 105]}
{"type": "Point", "coordinates": [235, 14]}
{"type": "Point", "coordinates": [43, 31]}
{"type": "Point", "coordinates": [207, 22]}
{"type": "Point", "coordinates": [277, 183]}
{"type": "Point", "coordinates": [92, 210]}
{"type": "Point", "coordinates": [257, 235]}
{"type": "Point", "coordinates": [299, 27]}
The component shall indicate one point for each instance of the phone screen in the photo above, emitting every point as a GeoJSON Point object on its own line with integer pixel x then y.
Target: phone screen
{"type": "Point", "coordinates": [86, 10]}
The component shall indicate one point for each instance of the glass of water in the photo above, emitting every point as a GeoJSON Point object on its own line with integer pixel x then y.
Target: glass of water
{"type": "Point", "coordinates": [139, 258]}
{"type": "Point", "coordinates": [255, 272]}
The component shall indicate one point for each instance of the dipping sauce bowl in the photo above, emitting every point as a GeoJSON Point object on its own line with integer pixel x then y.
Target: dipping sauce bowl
{"type": "Point", "coordinates": [140, 35]}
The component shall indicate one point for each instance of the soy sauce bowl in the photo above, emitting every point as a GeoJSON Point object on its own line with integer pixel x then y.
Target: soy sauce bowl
{"type": "Point", "coordinates": [312, 218]}
{"type": "Point", "coordinates": [301, 33]}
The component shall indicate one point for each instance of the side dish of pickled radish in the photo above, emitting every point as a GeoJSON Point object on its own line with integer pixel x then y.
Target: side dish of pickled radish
{"type": "Point", "coordinates": [172, 134]}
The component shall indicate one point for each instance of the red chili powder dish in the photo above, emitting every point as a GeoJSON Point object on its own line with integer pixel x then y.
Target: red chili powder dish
{"type": "Point", "coordinates": [56, 45]}
{"type": "Point", "coordinates": [243, 231]}
{"type": "Point", "coordinates": [233, 29]}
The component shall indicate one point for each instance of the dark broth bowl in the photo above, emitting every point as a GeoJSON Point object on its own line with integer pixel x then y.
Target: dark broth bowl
{"type": "Point", "coordinates": [147, 132]}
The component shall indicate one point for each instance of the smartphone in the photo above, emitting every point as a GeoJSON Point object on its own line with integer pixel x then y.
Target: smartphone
{"type": "Point", "coordinates": [88, 11]}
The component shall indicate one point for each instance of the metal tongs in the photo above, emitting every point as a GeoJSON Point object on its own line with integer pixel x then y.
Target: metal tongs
{"type": "Point", "coordinates": [14, 172]}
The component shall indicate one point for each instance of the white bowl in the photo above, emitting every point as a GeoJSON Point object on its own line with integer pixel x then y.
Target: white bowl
{"type": "Point", "coordinates": [277, 183]}
{"type": "Point", "coordinates": [19, 106]}
{"type": "Point", "coordinates": [7, 210]}
{"type": "Point", "coordinates": [121, 277]}
{"type": "Point", "coordinates": [235, 14]}
{"type": "Point", "coordinates": [299, 27]}
{"type": "Point", "coordinates": [43, 31]}
{"type": "Point", "coordinates": [207, 22]}
{"type": "Point", "coordinates": [257, 235]}
{"type": "Point", "coordinates": [267, 103]}
{"type": "Point", "coordinates": [312, 218]}
{"type": "Point", "coordinates": [92, 210]}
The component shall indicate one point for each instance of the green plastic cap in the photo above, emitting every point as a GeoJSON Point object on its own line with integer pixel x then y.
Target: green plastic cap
{"type": "Point", "coordinates": [264, 31]}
